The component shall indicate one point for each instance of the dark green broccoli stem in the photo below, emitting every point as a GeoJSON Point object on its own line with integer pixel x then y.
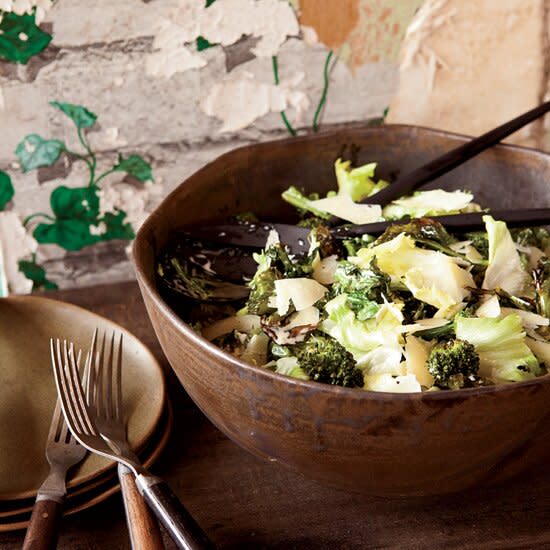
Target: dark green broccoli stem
{"type": "Point", "coordinates": [454, 364]}
{"type": "Point", "coordinates": [325, 360]}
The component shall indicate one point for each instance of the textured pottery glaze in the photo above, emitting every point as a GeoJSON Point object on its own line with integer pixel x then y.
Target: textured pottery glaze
{"type": "Point", "coordinates": [378, 443]}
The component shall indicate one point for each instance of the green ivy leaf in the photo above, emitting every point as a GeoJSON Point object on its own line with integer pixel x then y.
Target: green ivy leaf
{"type": "Point", "coordinates": [75, 203]}
{"type": "Point", "coordinates": [6, 189]}
{"type": "Point", "coordinates": [37, 274]}
{"type": "Point", "coordinates": [77, 113]}
{"type": "Point", "coordinates": [116, 226]}
{"type": "Point", "coordinates": [135, 166]}
{"type": "Point", "coordinates": [203, 44]}
{"type": "Point", "coordinates": [68, 234]}
{"type": "Point", "coordinates": [209, 2]}
{"type": "Point", "coordinates": [34, 152]}
{"type": "Point", "coordinates": [20, 38]}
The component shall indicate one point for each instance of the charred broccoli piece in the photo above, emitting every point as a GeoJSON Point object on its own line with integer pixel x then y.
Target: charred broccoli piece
{"type": "Point", "coordinates": [262, 287]}
{"type": "Point", "coordinates": [325, 360]}
{"type": "Point", "coordinates": [420, 229]}
{"type": "Point", "coordinates": [454, 364]}
{"type": "Point", "coordinates": [480, 242]}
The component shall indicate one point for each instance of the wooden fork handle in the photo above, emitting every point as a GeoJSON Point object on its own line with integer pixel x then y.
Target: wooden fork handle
{"type": "Point", "coordinates": [142, 524]}
{"type": "Point", "coordinates": [43, 530]}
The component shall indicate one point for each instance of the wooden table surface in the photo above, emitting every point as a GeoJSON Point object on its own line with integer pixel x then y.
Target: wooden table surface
{"type": "Point", "coordinates": [245, 503]}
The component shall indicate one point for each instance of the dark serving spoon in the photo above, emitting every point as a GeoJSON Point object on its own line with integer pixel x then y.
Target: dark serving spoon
{"type": "Point", "coordinates": [240, 268]}
{"type": "Point", "coordinates": [223, 248]}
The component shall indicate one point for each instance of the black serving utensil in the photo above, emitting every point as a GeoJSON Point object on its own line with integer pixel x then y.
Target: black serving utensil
{"type": "Point", "coordinates": [457, 156]}
{"type": "Point", "coordinates": [252, 236]}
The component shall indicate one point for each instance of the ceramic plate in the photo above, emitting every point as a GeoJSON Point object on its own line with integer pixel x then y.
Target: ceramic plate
{"type": "Point", "coordinates": [27, 389]}
{"type": "Point", "coordinates": [98, 493]}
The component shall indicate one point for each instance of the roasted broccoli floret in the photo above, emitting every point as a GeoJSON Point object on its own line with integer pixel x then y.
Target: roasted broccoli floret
{"type": "Point", "coordinates": [262, 287]}
{"type": "Point", "coordinates": [326, 360]}
{"type": "Point", "coordinates": [454, 364]}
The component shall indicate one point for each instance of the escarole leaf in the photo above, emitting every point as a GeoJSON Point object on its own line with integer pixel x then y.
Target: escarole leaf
{"type": "Point", "coordinates": [34, 151]}
{"type": "Point", "coordinates": [357, 183]}
{"type": "Point", "coordinates": [503, 352]}
{"type": "Point", "coordinates": [134, 166]}
{"type": "Point", "coordinates": [20, 38]}
{"type": "Point", "coordinates": [375, 343]}
{"type": "Point", "coordinates": [6, 189]}
{"type": "Point", "coordinates": [430, 276]}
{"type": "Point", "coordinates": [77, 113]}
{"type": "Point", "coordinates": [504, 270]}
{"type": "Point", "coordinates": [428, 203]}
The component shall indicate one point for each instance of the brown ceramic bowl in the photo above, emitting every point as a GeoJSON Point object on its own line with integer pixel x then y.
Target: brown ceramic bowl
{"type": "Point", "coordinates": [378, 443]}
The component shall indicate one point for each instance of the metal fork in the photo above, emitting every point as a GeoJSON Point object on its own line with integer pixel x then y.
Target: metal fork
{"type": "Point", "coordinates": [183, 529]}
{"type": "Point", "coordinates": [104, 396]}
{"type": "Point", "coordinates": [62, 452]}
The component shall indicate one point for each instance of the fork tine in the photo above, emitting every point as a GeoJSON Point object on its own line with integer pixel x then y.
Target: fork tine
{"type": "Point", "coordinates": [56, 426]}
{"type": "Point", "coordinates": [99, 394]}
{"type": "Point", "coordinates": [109, 379]}
{"type": "Point", "coordinates": [118, 381]}
{"type": "Point", "coordinates": [77, 393]}
{"type": "Point", "coordinates": [91, 378]}
{"type": "Point", "coordinates": [61, 383]}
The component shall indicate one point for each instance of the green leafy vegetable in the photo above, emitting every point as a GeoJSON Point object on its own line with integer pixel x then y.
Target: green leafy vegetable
{"type": "Point", "coordinates": [358, 182]}
{"type": "Point", "coordinates": [500, 343]}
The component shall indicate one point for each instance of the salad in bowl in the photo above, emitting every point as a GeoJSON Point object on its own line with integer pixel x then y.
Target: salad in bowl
{"type": "Point", "coordinates": [418, 308]}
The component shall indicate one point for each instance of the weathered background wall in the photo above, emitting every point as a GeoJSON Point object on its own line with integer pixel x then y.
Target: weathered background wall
{"type": "Point", "coordinates": [178, 82]}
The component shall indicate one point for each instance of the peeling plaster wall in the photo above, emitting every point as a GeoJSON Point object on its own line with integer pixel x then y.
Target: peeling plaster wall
{"type": "Point", "coordinates": [135, 64]}
{"type": "Point", "coordinates": [469, 65]}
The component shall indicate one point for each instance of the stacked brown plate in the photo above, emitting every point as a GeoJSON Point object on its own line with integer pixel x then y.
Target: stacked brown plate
{"type": "Point", "coordinates": [27, 399]}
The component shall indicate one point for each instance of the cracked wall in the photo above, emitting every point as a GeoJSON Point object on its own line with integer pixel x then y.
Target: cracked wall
{"type": "Point", "coordinates": [138, 65]}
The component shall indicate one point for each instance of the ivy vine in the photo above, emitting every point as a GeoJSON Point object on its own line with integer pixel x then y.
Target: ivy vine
{"type": "Point", "coordinates": [77, 220]}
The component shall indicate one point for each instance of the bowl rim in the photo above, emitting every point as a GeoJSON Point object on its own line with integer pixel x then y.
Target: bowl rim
{"type": "Point", "coordinates": [356, 393]}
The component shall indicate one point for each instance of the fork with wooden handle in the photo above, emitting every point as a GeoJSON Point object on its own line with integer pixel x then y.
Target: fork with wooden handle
{"type": "Point", "coordinates": [62, 452]}
{"type": "Point", "coordinates": [183, 529]}
{"type": "Point", "coordinates": [142, 525]}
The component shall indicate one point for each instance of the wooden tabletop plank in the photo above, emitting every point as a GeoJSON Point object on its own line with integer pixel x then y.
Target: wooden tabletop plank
{"type": "Point", "coordinates": [245, 503]}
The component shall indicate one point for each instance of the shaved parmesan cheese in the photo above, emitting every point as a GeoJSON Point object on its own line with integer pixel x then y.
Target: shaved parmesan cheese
{"type": "Point", "coordinates": [242, 323]}
{"type": "Point", "coordinates": [489, 308]}
{"type": "Point", "coordinates": [301, 291]}
{"type": "Point", "coordinates": [416, 357]}
{"type": "Point", "coordinates": [323, 270]}
{"type": "Point", "coordinates": [541, 350]}
{"type": "Point", "coordinates": [256, 350]}
{"type": "Point", "coordinates": [528, 318]}
{"type": "Point", "coordinates": [388, 383]}
{"type": "Point", "coordinates": [343, 207]}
